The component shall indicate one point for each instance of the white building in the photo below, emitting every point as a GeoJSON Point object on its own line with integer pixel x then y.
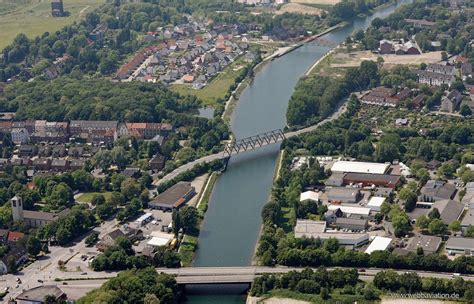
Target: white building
{"type": "Point", "coordinates": [350, 210]}
{"type": "Point", "coordinates": [317, 229]}
{"type": "Point", "coordinates": [309, 196]}
{"type": "Point", "coordinates": [360, 167]}
{"type": "Point", "coordinates": [375, 202]}
{"type": "Point", "coordinates": [378, 243]}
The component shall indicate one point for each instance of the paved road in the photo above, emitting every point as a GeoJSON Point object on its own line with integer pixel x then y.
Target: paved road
{"type": "Point", "coordinates": [342, 107]}
{"type": "Point", "coordinates": [45, 270]}
{"type": "Point", "coordinates": [77, 288]}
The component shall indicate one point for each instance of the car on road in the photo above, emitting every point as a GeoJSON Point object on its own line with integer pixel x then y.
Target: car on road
{"type": "Point", "coordinates": [84, 273]}
{"type": "Point", "coordinates": [40, 281]}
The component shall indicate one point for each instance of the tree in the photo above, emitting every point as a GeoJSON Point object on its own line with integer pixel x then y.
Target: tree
{"type": "Point", "coordinates": [130, 188]}
{"type": "Point", "coordinates": [176, 222]}
{"type": "Point", "coordinates": [465, 110]}
{"type": "Point", "coordinates": [444, 56]}
{"type": "Point", "coordinates": [151, 298]}
{"type": "Point", "coordinates": [189, 217]}
{"type": "Point", "coordinates": [455, 226]}
{"type": "Point", "coordinates": [434, 214]}
{"type": "Point", "coordinates": [271, 212]}
{"type": "Point", "coordinates": [437, 226]}
{"type": "Point", "coordinates": [92, 238]}
{"type": "Point", "coordinates": [422, 222]}
{"type": "Point", "coordinates": [33, 245]}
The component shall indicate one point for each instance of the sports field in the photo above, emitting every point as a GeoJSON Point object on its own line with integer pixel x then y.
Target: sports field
{"type": "Point", "coordinates": [33, 17]}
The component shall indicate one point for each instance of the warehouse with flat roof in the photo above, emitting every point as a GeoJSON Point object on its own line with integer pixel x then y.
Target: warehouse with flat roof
{"type": "Point", "coordinates": [460, 245]}
{"type": "Point", "coordinates": [360, 167]}
{"type": "Point", "coordinates": [174, 197]}
{"type": "Point", "coordinates": [378, 243]}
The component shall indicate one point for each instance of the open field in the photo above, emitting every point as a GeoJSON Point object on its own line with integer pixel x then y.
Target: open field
{"type": "Point", "coordinates": [87, 197]}
{"type": "Point", "coordinates": [217, 88]}
{"type": "Point", "coordinates": [299, 9]}
{"type": "Point", "coordinates": [8, 6]}
{"type": "Point", "coordinates": [34, 18]}
{"type": "Point", "coordinates": [355, 58]}
{"type": "Point", "coordinates": [327, 2]}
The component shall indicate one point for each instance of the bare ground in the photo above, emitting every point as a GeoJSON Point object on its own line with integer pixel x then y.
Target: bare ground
{"type": "Point", "coordinates": [330, 2]}
{"type": "Point", "coordinates": [298, 9]}
{"type": "Point", "coordinates": [355, 58]}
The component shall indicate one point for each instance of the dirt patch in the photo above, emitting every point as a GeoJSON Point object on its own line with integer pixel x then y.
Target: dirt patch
{"type": "Point", "coordinates": [296, 8]}
{"type": "Point", "coordinates": [283, 301]}
{"type": "Point", "coordinates": [354, 59]}
{"type": "Point", "coordinates": [330, 2]}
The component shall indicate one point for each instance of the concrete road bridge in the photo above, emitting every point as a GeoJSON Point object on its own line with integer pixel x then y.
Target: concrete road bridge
{"type": "Point", "coordinates": [246, 274]}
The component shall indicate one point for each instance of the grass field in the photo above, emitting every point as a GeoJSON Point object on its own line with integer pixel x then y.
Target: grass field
{"type": "Point", "coordinates": [34, 17]}
{"type": "Point", "coordinates": [87, 197]}
{"type": "Point", "coordinates": [218, 86]}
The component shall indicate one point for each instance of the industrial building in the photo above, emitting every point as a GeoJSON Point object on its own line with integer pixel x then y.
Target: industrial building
{"type": "Point", "coordinates": [460, 245]}
{"type": "Point", "coordinates": [174, 197]}
{"type": "Point", "coordinates": [360, 167]}
{"type": "Point", "coordinates": [343, 195]}
{"type": "Point", "coordinates": [375, 203]}
{"type": "Point", "coordinates": [379, 243]}
{"type": "Point", "coordinates": [317, 229]}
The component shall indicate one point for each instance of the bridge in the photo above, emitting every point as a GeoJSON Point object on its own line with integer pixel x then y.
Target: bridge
{"type": "Point", "coordinates": [251, 143]}
{"type": "Point", "coordinates": [246, 274]}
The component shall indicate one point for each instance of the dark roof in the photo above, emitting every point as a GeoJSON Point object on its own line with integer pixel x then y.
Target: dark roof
{"type": "Point", "coordinates": [449, 210]}
{"type": "Point", "coordinates": [116, 234]}
{"type": "Point", "coordinates": [37, 294]}
{"type": "Point", "coordinates": [175, 196]}
{"type": "Point", "coordinates": [438, 189]}
{"type": "Point", "coordinates": [47, 216]}
{"type": "Point", "coordinates": [373, 178]}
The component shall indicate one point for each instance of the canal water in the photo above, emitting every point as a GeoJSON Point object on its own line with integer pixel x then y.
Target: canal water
{"type": "Point", "coordinates": [232, 222]}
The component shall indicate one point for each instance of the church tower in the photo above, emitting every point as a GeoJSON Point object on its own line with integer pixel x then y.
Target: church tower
{"type": "Point", "coordinates": [17, 209]}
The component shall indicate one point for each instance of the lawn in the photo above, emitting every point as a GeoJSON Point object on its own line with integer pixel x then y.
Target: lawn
{"type": "Point", "coordinates": [87, 197]}
{"type": "Point", "coordinates": [217, 88]}
{"type": "Point", "coordinates": [34, 18]}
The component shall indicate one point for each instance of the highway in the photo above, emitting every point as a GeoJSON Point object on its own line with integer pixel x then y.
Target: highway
{"type": "Point", "coordinates": [341, 109]}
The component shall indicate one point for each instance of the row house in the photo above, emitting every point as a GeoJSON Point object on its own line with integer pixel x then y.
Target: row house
{"type": "Point", "coordinates": [451, 101]}
{"type": "Point", "coordinates": [144, 130]}
{"type": "Point", "coordinates": [435, 79]}
{"type": "Point", "coordinates": [382, 96]}
{"type": "Point", "coordinates": [45, 164]}
{"type": "Point", "coordinates": [95, 131]}
{"type": "Point", "coordinates": [421, 23]}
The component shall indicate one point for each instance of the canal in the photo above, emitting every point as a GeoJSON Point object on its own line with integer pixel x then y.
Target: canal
{"type": "Point", "coordinates": [232, 223]}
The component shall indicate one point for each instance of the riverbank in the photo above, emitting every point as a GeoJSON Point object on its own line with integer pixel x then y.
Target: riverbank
{"type": "Point", "coordinates": [280, 52]}
{"type": "Point", "coordinates": [189, 244]}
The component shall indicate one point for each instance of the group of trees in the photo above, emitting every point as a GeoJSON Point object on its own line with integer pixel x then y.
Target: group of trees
{"type": "Point", "coordinates": [316, 282]}
{"type": "Point", "coordinates": [315, 97]}
{"type": "Point", "coordinates": [136, 286]}
{"type": "Point", "coordinates": [345, 10]}
{"type": "Point", "coordinates": [290, 251]}
{"type": "Point", "coordinates": [121, 256]}
{"type": "Point", "coordinates": [411, 282]}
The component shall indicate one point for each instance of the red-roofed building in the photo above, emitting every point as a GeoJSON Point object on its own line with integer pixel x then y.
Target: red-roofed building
{"type": "Point", "coordinates": [15, 237]}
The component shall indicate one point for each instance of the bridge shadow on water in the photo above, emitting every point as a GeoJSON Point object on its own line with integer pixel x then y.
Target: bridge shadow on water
{"type": "Point", "coordinates": [215, 294]}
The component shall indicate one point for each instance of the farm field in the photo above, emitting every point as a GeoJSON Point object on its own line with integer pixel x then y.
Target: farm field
{"type": "Point", "coordinates": [33, 17]}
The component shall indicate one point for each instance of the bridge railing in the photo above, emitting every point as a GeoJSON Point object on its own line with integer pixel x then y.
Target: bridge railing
{"type": "Point", "coordinates": [253, 142]}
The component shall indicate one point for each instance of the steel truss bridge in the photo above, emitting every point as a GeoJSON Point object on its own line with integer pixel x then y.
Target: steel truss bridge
{"type": "Point", "coordinates": [253, 142]}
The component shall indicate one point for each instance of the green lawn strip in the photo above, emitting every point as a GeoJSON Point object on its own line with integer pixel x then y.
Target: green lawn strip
{"type": "Point", "coordinates": [189, 244]}
{"type": "Point", "coordinates": [217, 88]}
{"type": "Point", "coordinates": [87, 197]}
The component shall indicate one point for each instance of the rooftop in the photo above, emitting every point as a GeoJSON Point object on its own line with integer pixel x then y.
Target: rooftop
{"type": "Point", "coordinates": [430, 244]}
{"type": "Point", "coordinates": [460, 243]}
{"type": "Point", "coordinates": [359, 167]}
{"type": "Point", "coordinates": [379, 243]}
{"type": "Point", "coordinates": [376, 201]}
{"type": "Point", "coordinates": [351, 209]}
{"type": "Point", "coordinates": [175, 196]}
{"type": "Point", "coordinates": [37, 294]}
{"type": "Point", "coordinates": [309, 195]}
{"type": "Point", "coordinates": [449, 210]}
